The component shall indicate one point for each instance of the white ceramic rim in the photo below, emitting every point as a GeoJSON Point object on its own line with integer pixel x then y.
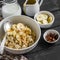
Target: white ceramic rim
{"type": "Point", "coordinates": [47, 12]}
{"type": "Point", "coordinates": [50, 30]}
{"type": "Point", "coordinates": [31, 4]}
{"type": "Point", "coordinates": [34, 42]}
{"type": "Point", "coordinates": [37, 1]}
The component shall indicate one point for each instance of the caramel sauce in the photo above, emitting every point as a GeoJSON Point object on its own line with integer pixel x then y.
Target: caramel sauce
{"type": "Point", "coordinates": [31, 2]}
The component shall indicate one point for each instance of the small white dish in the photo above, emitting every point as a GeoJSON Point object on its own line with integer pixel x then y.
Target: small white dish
{"type": "Point", "coordinates": [51, 31]}
{"type": "Point", "coordinates": [48, 13]}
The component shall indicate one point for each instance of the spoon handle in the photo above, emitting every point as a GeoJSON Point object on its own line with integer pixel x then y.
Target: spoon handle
{"type": "Point", "coordinates": [2, 45]}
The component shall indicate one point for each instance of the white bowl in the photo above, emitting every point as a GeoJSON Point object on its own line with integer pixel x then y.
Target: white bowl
{"type": "Point", "coordinates": [51, 31]}
{"type": "Point", "coordinates": [45, 25]}
{"type": "Point", "coordinates": [26, 20]}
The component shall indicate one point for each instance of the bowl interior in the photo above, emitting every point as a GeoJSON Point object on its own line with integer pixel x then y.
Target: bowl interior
{"type": "Point", "coordinates": [21, 19]}
{"type": "Point", "coordinates": [51, 31]}
{"type": "Point", "coordinates": [45, 12]}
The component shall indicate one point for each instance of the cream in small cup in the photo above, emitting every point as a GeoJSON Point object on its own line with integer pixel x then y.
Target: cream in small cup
{"type": "Point", "coordinates": [44, 18]}
{"type": "Point", "coordinates": [51, 36]}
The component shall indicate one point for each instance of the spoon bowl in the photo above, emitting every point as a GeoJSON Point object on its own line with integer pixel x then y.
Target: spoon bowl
{"type": "Point", "coordinates": [7, 26]}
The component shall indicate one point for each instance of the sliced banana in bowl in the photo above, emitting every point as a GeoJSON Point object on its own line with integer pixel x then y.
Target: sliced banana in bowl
{"type": "Point", "coordinates": [44, 18]}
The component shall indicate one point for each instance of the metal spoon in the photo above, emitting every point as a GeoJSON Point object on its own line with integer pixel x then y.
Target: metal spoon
{"type": "Point", "coordinates": [7, 26]}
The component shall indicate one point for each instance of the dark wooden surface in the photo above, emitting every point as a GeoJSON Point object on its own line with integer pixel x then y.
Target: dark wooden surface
{"type": "Point", "coordinates": [45, 51]}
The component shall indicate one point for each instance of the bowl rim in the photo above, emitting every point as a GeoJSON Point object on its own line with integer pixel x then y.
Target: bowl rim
{"type": "Point", "coordinates": [51, 30]}
{"type": "Point", "coordinates": [47, 12]}
{"type": "Point", "coordinates": [36, 39]}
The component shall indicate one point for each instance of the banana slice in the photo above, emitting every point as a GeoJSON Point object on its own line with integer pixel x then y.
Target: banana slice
{"type": "Point", "coordinates": [49, 19]}
{"type": "Point", "coordinates": [45, 22]}
{"type": "Point", "coordinates": [39, 17]}
{"type": "Point", "coordinates": [42, 17]}
{"type": "Point", "coordinates": [40, 22]}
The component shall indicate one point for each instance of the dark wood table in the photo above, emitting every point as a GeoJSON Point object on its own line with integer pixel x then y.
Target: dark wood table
{"type": "Point", "coordinates": [45, 51]}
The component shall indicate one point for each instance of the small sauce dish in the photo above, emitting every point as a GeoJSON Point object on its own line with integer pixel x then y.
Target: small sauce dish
{"type": "Point", "coordinates": [44, 18]}
{"type": "Point", "coordinates": [51, 36]}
